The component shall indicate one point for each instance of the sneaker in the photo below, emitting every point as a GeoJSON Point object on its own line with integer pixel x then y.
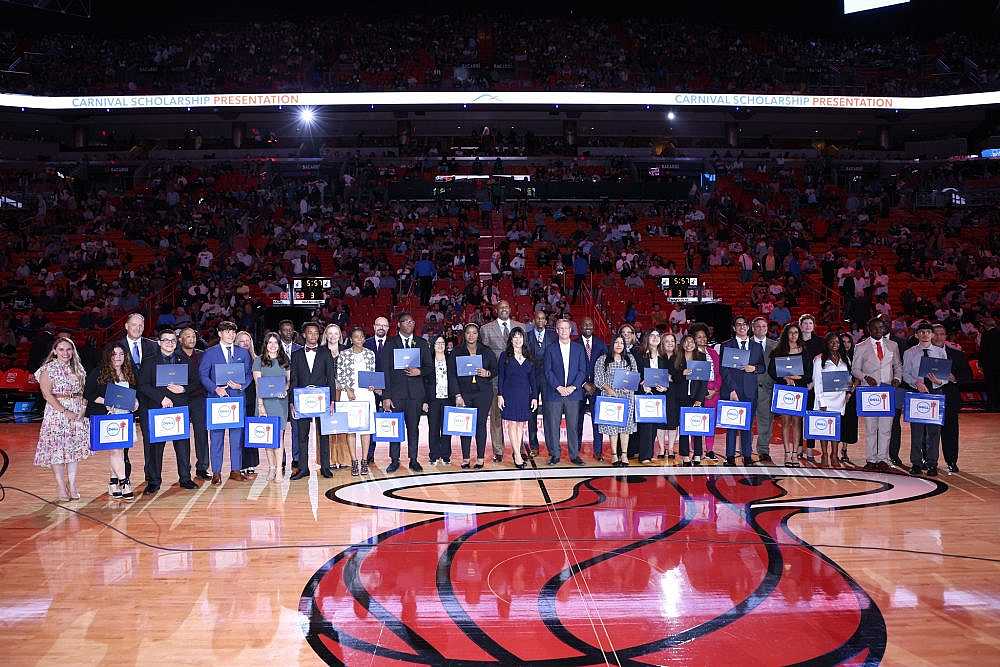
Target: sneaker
{"type": "Point", "coordinates": [932, 472]}
{"type": "Point", "coordinates": [710, 455]}
{"type": "Point", "coordinates": [364, 467]}
{"type": "Point", "coordinates": [354, 468]}
{"type": "Point", "coordinates": [114, 489]}
{"type": "Point", "coordinates": [434, 462]}
{"type": "Point", "coordinates": [953, 468]}
{"type": "Point", "coordinates": [126, 490]}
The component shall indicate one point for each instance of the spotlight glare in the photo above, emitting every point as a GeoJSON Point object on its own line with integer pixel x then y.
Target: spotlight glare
{"type": "Point", "coordinates": [671, 115]}
{"type": "Point", "coordinates": [307, 116]}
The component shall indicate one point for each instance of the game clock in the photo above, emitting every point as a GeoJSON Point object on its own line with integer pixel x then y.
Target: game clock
{"type": "Point", "coordinates": [681, 289]}
{"type": "Point", "coordinates": [311, 291]}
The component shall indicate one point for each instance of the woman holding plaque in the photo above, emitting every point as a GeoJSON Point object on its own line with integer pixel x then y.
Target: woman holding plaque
{"type": "Point", "coordinates": [830, 400]}
{"type": "Point", "coordinates": [689, 393]}
{"type": "Point", "coordinates": [64, 438]}
{"type": "Point", "coordinates": [340, 449]}
{"type": "Point", "coordinates": [517, 385]}
{"type": "Point", "coordinates": [648, 356]}
{"type": "Point", "coordinates": [700, 332]}
{"type": "Point", "coordinates": [849, 423]}
{"type": "Point", "coordinates": [669, 431]}
{"type": "Point", "coordinates": [617, 357]}
{"type": "Point", "coordinates": [112, 369]}
{"type": "Point", "coordinates": [790, 345]}
{"type": "Point", "coordinates": [440, 389]}
{"type": "Point", "coordinates": [356, 359]}
{"type": "Point", "coordinates": [273, 362]}
{"type": "Point", "coordinates": [251, 455]}
{"type": "Point", "coordinates": [475, 391]}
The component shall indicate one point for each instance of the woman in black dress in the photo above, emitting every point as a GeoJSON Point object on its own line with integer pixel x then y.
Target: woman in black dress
{"type": "Point", "coordinates": [113, 369]}
{"type": "Point", "coordinates": [688, 393]}
{"type": "Point", "coordinates": [648, 356]}
{"type": "Point", "coordinates": [475, 391]}
{"type": "Point", "coordinates": [790, 345]}
{"type": "Point", "coordinates": [849, 422]}
{"type": "Point", "coordinates": [517, 386]}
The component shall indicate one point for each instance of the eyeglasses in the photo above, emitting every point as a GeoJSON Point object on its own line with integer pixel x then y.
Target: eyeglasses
{"type": "Point", "coordinates": [169, 340]}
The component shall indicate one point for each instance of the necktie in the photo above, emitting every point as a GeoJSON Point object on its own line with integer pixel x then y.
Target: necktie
{"type": "Point", "coordinates": [743, 345]}
{"type": "Point", "coordinates": [378, 347]}
{"type": "Point", "coordinates": [506, 330]}
{"type": "Point", "coordinates": [227, 353]}
{"type": "Point", "coordinates": [135, 352]}
{"type": "Point", "coordinates": [878, 350]}
{"type": "Point", "coordinates": [927, 352]}
{"type": "Point", "coordinates": [586, 345]}
{"type": "Point", "coordinates": [406, 343]}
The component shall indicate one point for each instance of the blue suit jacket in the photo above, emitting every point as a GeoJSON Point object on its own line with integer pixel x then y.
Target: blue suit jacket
{"type": "Point", "coordinates": [213, 356]}
{"type": "Point", "coordinates": [598, 348]}
{"type": "Point", "coordinates": [744, 383]}
{"type": "Point", "coordinates": [370, 344]}
{"type": "Point", "coordinates": [549, 337]}
{"type": "Point", "coordinates": [554, 372]}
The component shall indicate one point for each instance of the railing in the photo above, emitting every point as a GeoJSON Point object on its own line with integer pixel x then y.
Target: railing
{"type": "Point", "coordinates": [149, 307]}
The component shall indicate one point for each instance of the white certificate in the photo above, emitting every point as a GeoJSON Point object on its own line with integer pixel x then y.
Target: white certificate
{"type": "Point", "coordinates": [649, 409]}
{"type": "Point", "coordinates": [696, 421]}
{"type": "Point", "coordinates": [459, 421]}
{"type": "Point", "coordinates": [260, 434]}
{"type": "Point", "coordinates": [170, 424]}
{"type": "Point", "coordinates": [358, 413]}
{"type": "Point", "coordinates": [226, 412]}
{"type": "Point", "coordinates": [732, 415]}
{"type": "Point", "coordinates": [113, 432]}
{"type": "Point", "coordinates": [612, 411]}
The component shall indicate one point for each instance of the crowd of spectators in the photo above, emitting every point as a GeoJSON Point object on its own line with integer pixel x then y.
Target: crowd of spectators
{"type": "Point", "coordinates": [497, 51]}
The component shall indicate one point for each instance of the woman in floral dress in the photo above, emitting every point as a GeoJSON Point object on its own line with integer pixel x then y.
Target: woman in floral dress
{"type": "Point", "coordinates": [64, 439]}
{"type": "Point", "coordinates": [604, 369]}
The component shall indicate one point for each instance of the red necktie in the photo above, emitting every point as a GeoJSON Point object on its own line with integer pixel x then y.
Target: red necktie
{"type": "Point", "coordinates": [878, 350]}
{"type": "Point", "coordinates": [587, 345]}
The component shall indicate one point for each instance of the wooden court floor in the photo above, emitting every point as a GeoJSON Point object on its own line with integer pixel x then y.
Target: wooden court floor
{"type": "Point", "coordinates": [550, 565]}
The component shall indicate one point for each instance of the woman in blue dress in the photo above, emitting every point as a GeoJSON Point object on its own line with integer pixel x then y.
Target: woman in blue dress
{"type": "Point", "coordinates": [517, 389]}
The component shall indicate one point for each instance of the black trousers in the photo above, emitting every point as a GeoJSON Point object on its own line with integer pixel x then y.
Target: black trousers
{"type": "Point", "coordinates": [304, 426]}
{"type": "Point", "coordinates": [203, 457]}
{"type": "Point", "coordinates": [647, 436]}
{"type": "Point", "coordinates": [440, 444]}
{"type": "Point", "coordinates": [896, 435]}
{"type": "Point", "coordinates": [411, 409]}
{"type": "Point", "coordinates": [482, 401]}
{"type": "Point", "coordinates": [949, 431]}
{"type": "Point", "coordinates": [154, 460]}
{"type": "Point", "coordinates": [993, 387]}
{"type": "Point", "coordinates": [533, 427]}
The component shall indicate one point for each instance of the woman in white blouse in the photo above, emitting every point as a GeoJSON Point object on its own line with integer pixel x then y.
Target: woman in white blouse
{"type": "Point", "coordinates": [350, 362]}
{"type": "Point", "coordinates": [829, 400]}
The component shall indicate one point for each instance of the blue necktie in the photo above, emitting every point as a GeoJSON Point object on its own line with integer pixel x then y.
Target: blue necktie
{"type": "Point", "coordinates": [135, 352]}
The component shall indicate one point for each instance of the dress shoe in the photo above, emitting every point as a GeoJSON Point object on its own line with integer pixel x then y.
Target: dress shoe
{"type": "Point", "coordinates": [203, 474]}
{"type": "Point", "coordinates": [916, 470]}
{"type": "Point", "coordinates": [577, 461]}
{"type": "Point", "coordinates": [479, 465]}
{"type": "Point", "coordinates": [393, 466]}
{"type": "Point", "coordinates": [870, 467]}
{"type": "Point", "coordinates": [884, 467]}
{"type": "Point", "coordinates": [747, 461]}
{"type": "Point", "coordinates": [932, 472]}
{"type": "Point", "coordinates": [326, 472]}
{"type": "Point", "coordinates": [216, 479]}
{"type": "Point", "coordinates": [710, 455]}
{"type": "Point", "coordinates": [187, 484]}
{"type": "Point", "coordinates": [300, 474]}
{"type": "Point", "coordinates": [150, 490]}
{"type": "Point", "coordinates": [730, 460]}
{"type": "Point", "coordinates": [416, 467]}
{"type": "Point", "coordinates": [553, 461]}
{"type": "Point", "coordinates": [895, 460]}
{"type": "Point", "coordinates": [237, 476]}
{"type": "Point", "coordinates": [764, 458]}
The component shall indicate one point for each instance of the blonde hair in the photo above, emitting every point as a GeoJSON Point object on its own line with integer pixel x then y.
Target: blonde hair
{"type": "Point", "coordinates": [74, 363]}
{"type": "Point", "coordinates": [253, 354]}
{"type": "Point", "coordinates": [324, 341]}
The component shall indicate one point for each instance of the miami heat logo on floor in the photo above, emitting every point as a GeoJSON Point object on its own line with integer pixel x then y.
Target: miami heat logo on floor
{"type": "Point", "coordinates": [653, 567]}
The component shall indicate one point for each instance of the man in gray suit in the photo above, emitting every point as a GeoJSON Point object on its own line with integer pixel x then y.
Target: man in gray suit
{"type": "Point", "coordinates": [877, 361]}
{"type": "Point", "coordinates": [494, 335]}
{"type": "Point", "coordinates": [765, 387]}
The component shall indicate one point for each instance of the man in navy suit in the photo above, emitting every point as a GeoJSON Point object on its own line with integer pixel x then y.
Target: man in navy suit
{"type": "Point", "coordinates": [564, 370]}
{"type": "Point", "coordinates": [286, 332]}
{"type": "Point", "coordinates": [740, 384]}
{"type": "Point", "coordinates": [539, 337]}
{"type": "Point", "coordinates": [405, 388]}
{"type": "Point", "coordinates": [375, 344]}
{"type": "Point", "coordinates": [226, 352]}
{"type": "Point", "coordinates": [593, 348]}
{"type": "Point", "coordinates": [138, 348]}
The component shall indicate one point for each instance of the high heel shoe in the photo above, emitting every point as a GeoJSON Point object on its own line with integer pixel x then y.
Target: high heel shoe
{"type": "Point", "coordinates": [75, 495]}
{"type": "Point", "coordinates": [465, 465]}
{"type": "Point", "coordinates": [520, 466]}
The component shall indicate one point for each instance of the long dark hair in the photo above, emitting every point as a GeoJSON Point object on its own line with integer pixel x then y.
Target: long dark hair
{"type": "Point", "coordinates": [265, 358]}
{"type": "Point", "coordinates": [848, 355]}
{"type": "Point", "coordinates": [680, 360]}
{"type": "Point", "coordinates": [644, 350]}
{"type": "Point", "coordinates": [525, 348]}
{"type": "Point", "coordinates": [107, 373]}
{"type": "Point", "coordinates": [609, 356]}
{"type": "Point", "coordinates": [781, 349]}
{"type": "Point", "coordinates": [826, 355]}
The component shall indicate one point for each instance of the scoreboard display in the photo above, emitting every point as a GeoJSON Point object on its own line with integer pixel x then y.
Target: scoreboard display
{"type": "Point", "coordinates": [681, 289]}
{"type": "Point", "coordinates": [310, 291]}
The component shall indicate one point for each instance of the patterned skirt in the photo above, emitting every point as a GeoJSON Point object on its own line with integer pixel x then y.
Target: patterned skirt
{"type": "Point", "coordinates": [60, 440]}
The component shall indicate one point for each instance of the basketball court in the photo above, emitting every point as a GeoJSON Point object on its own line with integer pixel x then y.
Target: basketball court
{"type": "Point", "coordinates": [556, 565]}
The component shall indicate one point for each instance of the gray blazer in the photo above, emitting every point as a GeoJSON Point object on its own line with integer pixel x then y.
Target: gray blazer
{"type": "Point", "coordinates": [764, 380]}
{"type": "Point", "coordinates": [866, 362]}
{"type": "Point", "coordinates": [491, 335]}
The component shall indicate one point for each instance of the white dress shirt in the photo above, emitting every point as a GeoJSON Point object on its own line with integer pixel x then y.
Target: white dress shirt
{"type": "Point", "coordinates": [564, 349]}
